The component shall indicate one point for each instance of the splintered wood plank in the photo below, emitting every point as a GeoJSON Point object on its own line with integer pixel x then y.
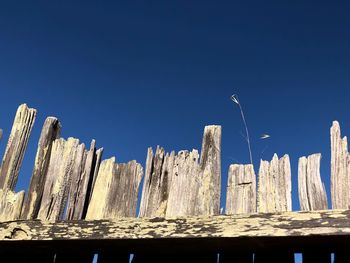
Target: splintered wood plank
{"type": "Point", "coordinates": [16, 146]}
{"type": "Point", "coordinates": [81, 183]}
{"type": "Point", "coordinates": [183, 185]}
{"type": "Point", "coordinates": [63, 154]}
{"type": "Point", "coordinates": [49, 133]}
{"type": "Point", "coordinates": [240, 199]}
{"type": "Point", "coordinates": [208, 201]}
{"type": "Point", "coordinates": [274, 195]}
{"type": "Point", "coordinates": [97, 162]}
{"type": "Point", "coordinates": [154, 184]}
{"type": "Point", "coordinates": [274, 186]}
{"type": "Point", "coordinates": [1, 133]}
{"type": "Point", "coordinates": [115, 191]}
{"type": "Point", "coordinates": [312, 192]}
{"type": "Point", "coordinates": [340, 176]}
{"type": "Point", "coordinates": [241, 190]}
{"type": "Point", "coordinates": [312, 196]}
{"type": "Point", "coordinates": [10, 204]}
{"type": "Point", "coordinates": [340, 182]}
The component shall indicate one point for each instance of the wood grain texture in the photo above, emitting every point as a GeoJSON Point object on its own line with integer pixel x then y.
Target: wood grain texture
{"type": "Point", "coordinates": [54, 200]}
{"type": "Point", "coordinates": [184, 184]}
{"type": "Point", "coordinates": [241, 190]}
{"type": "Point", "coordinates": [312, 192]}
{"type": "Point", "coordinates": [274, 187]}
{"type": "Point", "coordinates": [50, 132]}
{"type": "Point", "coordinates": [115, 190]}
{"type": "Point", "coordinates": [10, 205]}
{"type": "Point", "coordinates": [312, 196]}
{"type": "Point", "coordinates": [340, 178]}
{"type": "Point", "coordinates": [16, 146]}
{"type": "Point", "coordinates": [274, 195]}
{"type": "Point", "coordinates": [286, 224]}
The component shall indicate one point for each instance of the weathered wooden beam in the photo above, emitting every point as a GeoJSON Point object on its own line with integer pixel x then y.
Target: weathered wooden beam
{"type": "Point", "coordinates": [266, 225]}
{"type": "Point", "coordinates": [241, 190]}
{"type": "Point", "coordinates": [16, 146]}
{"type": "Point", "coordinates": [49, 133]}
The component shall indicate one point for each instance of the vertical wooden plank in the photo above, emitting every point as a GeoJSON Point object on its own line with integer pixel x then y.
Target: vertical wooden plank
{"type": "Point", "coordinates": [274, 186]}
{"type": "Point", "coordinates": [10, 205]}
{"type": "Point", "coordinates": [240, 199]}
{"type": "Point", "coordinates": [86, 164]}
{"type": "Point", "coordinates": [312, 196]}
{"type": "Point", "coordinates": [274, 195]}
{"type": "Point", "coordinates": [49, 133]}
{"type": "Point", "coordinates": [183, 184]}
{"type": "Point", "coordinates": [115, 191]}
{"type": "Point", "coordinates": [208, 201]}
{"type": "Point", "coordinates": [115, 195]}
{"type": "Point", "coordinates": [58, 179]}
{"type": "Point", "coordinates": [339, 169]}
{"type": "Point", "coordinates": [241, 190]}
{"type": "Point", "coordinates": [16, 146]}
{"type": "Point", "coordinates": [340, 177]}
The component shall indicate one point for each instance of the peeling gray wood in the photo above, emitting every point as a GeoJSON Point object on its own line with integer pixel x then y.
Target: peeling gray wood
{"type": "Point", "coordinates": [274, 186]}
{"type": "Point", "coordinates": [97, 162]}
{"type": "Point", "coordinates": [312, 192]}
{"type": "Point", "coordinates": [10, 204]}
{"type": "Point", "coordinates": [287, 224]}
{"type": "Point", "coordinates": [340, 169]}
{"type": "Point", "coordinates": [115, 191]}
{"type": "Point", "coordinates": [16, 146]}
{"type": "Point", "coordinates": [241, 190]}
{"type": "Point", "coordinates": [58, 179]}
{"type": "Point", "coordinates": [49, 133]}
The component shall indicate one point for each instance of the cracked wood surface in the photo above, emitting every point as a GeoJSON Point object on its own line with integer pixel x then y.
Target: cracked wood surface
{"type": "Point", "coordinates": [241, 190]}
{"type": "Point", "coordinates": [49, 133]}
{"type": "Point", "coordinates": [287, 224]}
{"type": "Point", "coordinates": [16, 146]}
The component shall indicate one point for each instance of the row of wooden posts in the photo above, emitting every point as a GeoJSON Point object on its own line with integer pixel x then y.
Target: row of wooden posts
{"type": "Point", "coordinates": [72, 182]}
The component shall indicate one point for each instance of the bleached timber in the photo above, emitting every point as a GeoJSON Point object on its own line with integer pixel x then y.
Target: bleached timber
{"type": "Point", "coordinates": [16, 146]}
{"type": "Point", "coordinates": [241, 190]}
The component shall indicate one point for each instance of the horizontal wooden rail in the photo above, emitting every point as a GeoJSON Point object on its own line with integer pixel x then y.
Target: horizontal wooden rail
{"type": "Point", "coordinates": [293, 230]}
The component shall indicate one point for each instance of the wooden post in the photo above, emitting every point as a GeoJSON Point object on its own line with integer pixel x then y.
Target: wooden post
{"type": "Point", "coordinates": [274, 195]}
{"type": "Point", "coordinates": [49, 133]}
{"type": "Point", "coordinates": [240, 199]}
{"type": "Point", "coordinates": [16, 146]}
{"type": "Point", "coordinates": [312, 196]}
{"type": "Point", "coordinates": [115, 195]}
{"type": "Point", "coordinates": [340, 177]}
{"type": "Point", "coordinates": [59, 174]}
{"type": "Point", "coordinates": [10, 205]}
{"type": "Point", "coordinates": [241, 190]}
{"type": "Point", "coordinates": [183, 185]}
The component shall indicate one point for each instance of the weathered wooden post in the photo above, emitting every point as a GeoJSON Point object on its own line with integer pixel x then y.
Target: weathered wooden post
{"type": "Point", "coordinates": [312, 196]}
{"type": "Point", "coordinates": [240, 199]}
{"type": "Point", "coordinates": [183, 185]}
{"type": "Point", "coordinates": [274, 195]}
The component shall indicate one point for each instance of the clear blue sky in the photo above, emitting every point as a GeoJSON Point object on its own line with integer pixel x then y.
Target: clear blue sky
{"type": "Point", "coordinates": [133, 74]}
